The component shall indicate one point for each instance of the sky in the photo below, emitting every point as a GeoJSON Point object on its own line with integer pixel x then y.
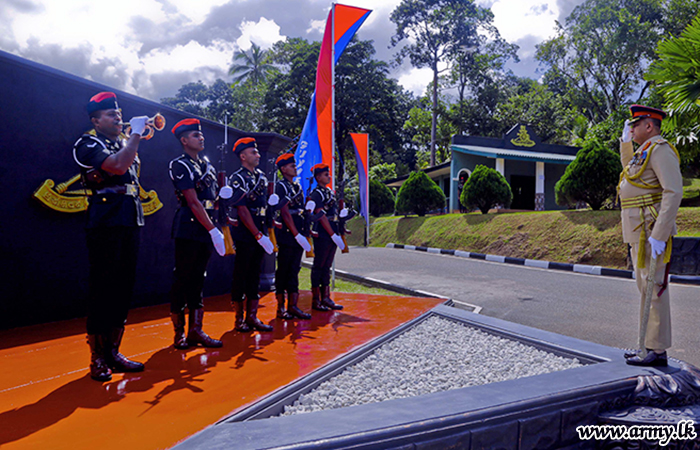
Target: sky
{"type": "Point", "coordinates": [152, 47]}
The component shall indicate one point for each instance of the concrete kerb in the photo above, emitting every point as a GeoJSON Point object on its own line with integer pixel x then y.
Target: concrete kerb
{"type": "Point", "coordinates": [578, 268]}
{"type": "Point", "coordinates": [373, 282]}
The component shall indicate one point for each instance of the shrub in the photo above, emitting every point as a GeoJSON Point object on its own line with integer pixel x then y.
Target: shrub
{"type": "Point", "coordinates": [485, 189]}
{"type": "Point", "coordinates": [418, 195]}
{"type": "Point", "coordinates": [592, 177]}
{"type": "Point", "coordinates": [381, 199]}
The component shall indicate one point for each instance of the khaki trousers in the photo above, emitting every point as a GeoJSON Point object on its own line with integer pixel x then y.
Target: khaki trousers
{"type": "Point", "coordinates": [659, 327]}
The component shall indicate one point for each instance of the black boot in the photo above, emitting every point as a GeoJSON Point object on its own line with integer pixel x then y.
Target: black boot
{"type": "Point", "coordinates": [652, 359]}
{"type": "Point", "coordinates": [99, 370]}
{"type": "Point", "coordinates": [326, 299]}
{"type": "Point", "coordinates": [115, 360]}
{"type": "Point", "coordinates": [316, 300]}
{"type": "Point", "coordinates": [240, 324]}
{"type": "Point", "coordinates": [281, 312]}
{"type": "Point", "coordinates": [179, 341]}
{"type": "Point", "coordinates": [252, 317]}
{"type": "Point", "coordinates": [195, 335]}
{"type": "Point", "coordinates": [294, 310]}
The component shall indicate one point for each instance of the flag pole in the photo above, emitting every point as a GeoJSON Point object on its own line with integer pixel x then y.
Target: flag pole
{"type": "Point", "coordinates": [333, 119]}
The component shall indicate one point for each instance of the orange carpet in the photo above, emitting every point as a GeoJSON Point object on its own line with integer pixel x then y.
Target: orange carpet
{"type": "Point", "coordinates": [47, 399]}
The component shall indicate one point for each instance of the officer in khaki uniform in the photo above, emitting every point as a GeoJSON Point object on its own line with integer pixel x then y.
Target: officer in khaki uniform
{"type": "Point", "coordinates": [650, 189]}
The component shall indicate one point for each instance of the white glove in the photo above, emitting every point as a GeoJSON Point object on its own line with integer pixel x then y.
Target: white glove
{"type": "Point", "coordinates": [338, 241]}
{"type": "Point", "coordinates": [266, 243]}
{"type": "Point", "coordinates": [273, 200]}
{"type": "Point", "coordinates": [657, 247]}
{"type": "Point", "coordinates": [311, 206]}
{"type": "Point", "coordinates": [217, 238]}
{"type": "Point", "coordinates": [138, 124]}
{"type": "Point", "coordinates": [226, 192]}
{"type": "Point", "coordinates": [626, 132]}
{"type": "Point", "coordinates": [343, 213]}
{"type": "Point", "coordinates": [303, 242]}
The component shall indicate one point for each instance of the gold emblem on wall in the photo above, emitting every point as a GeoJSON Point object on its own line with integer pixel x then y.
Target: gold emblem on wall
{"type": "Point", "coordinates": [523, 139]}
{"type": "Point", "coordinates": [59, 198]}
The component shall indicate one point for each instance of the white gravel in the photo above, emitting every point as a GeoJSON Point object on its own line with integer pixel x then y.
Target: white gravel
{"type": "Point", "coordinates": [436, 355]}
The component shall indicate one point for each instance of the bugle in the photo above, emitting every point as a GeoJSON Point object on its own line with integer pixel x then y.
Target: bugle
{"type": "Point", "coordinates": [153, 124]}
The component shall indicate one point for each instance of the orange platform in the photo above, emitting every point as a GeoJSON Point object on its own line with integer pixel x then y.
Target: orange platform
{"type": "Point", "coordinates": [47, 399]}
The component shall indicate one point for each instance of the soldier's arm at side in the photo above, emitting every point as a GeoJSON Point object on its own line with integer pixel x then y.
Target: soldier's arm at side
{"type": "Point", "coordinates": [119, 162]}
{"type": "Point", "coordinates": [626, 152]}
{"type": "Point", "coordinates": [198, 209]}
{"type": "Point", "coordinates": [247, 219]}
{"type": "Point", "coordinates": [325, 223]}
{"type": "Point", "coordinates": [667, 169]}
{"type": "Point", "coordinates": [288, 220]}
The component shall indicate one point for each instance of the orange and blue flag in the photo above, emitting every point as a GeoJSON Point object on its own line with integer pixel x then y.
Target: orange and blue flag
{"type": "Point", "coordinates": [316, 141]}
{"type": "Point", "coordinates": [361, 143]}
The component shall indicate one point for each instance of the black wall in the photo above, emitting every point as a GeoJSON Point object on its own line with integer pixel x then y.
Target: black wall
{"type": "Point", "coordinates": [43, 257]}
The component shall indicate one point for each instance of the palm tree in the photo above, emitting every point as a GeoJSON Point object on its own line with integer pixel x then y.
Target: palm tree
{"type": "Point", "coordinates": [677, 77]}
{"type": "Point", "coordinates": [253, 66]}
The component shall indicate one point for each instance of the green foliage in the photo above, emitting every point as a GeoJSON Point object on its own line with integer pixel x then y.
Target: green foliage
{"type": "Point", "coordinates": [418, 126]}
{"type": "Point", "coordinates": [485, 189]}
{"type": "Point", "coordinates": [382, 172]}
{"type": "Point", "coordinates": [419, 195]}
{"type": "Point", "coordinates": [598, 58]}
{"type": "Point", "coordinates": [592, 177]}
{"type": "Point", "coordinates": [381, 200]}
{"type": "Point", "coordinates": [677, 76]}
{"type": "Point", "coordinates": [253, 65]}
{"type": "Point", "coordinates": [547, 113]}
{"type": "Point", "coordinates": [191, 98]}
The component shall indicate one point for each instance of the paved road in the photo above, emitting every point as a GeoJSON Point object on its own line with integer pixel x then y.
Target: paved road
{"type": "Point", "coordinates": [594, 308]}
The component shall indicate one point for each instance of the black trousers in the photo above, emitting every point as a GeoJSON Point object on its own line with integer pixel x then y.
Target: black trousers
{"type": "Point", "coordinates": [288, 266]}
{"type": "Point", "coordinates": [191, 258]}
{"type": "Point", "coordinates": [112, 252]}
{"type": "Point", "coordinates": [324, 253]}
{"type": "Point", "coordinates": [246, 270]}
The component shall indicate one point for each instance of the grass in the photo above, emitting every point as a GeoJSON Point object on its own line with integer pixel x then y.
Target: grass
{"type": "Point", "coordinates": [342, 285]}
{"type": "Point", "coordinates": [579, 237]}
{"type": "Point", "coordinates": [691, 187]}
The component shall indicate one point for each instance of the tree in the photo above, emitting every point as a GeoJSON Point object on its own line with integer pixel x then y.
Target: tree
{"type": "Point", "coordinates": [382, 172]}
{"type": "Point", "coordinates": [436, 30]}
{"type": "Point", "coordinates": [418, 127]}
{"type": "Point", "coordinates": [546, 112]}
{"type": "Point", "coordinates": [191, 97]}
{"type": "Point", "coordinates": [485, 189]}
{"type": "Point", "coordinates": [592, 177]}
{"type": "Point", "coordinates": [599, 57]}
{"type": "Point", "coordinates": [381, 200]}
{"type": "Point", "coordinates": [419, 195]}
{"type": "Point", "coordinates": [677, 77]}
{"type": "Point", "coordinates": [253, 67]}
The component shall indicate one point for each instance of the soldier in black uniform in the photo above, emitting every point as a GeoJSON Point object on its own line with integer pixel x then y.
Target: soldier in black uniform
{"type": "Point", "coordinates": [288, 199]}
{"type": "Point", "coordinates": [322, 200]}
{"type": "Point", "coordinates": [247, 194]}
{"type": "Point", "coordinates": [110, 167]}
{"type": "Point", "coordinates": [194, 233]}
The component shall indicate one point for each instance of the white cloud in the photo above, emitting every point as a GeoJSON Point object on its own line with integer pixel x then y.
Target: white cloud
{"type": "Point", "coordinates": [264, 33]}
{"type": "Point", "coordinates": [189, 57]}
{"type": "Point", "coordinates": [416, 80]}
{"type": "Point", "coordinates": [516, 19]}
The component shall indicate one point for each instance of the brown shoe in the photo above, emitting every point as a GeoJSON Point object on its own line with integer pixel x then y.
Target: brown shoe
{"type": "Point", "coordinates": [99, 371]}
{"type": "Point", "coordinates": [294, 310]}
{"type": "Point", "coordinates": [316, 300]}
{"type": "Point", "coordinates": [195, 335]}
{"type": "Point", "coordinates": [179, 341]}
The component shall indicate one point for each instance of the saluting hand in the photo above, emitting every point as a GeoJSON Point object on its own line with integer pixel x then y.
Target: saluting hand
{"type": "Point", "coordinates": [626, 132]}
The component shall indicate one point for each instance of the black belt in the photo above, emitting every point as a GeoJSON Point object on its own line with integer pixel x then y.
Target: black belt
{"type": "Point", "coordinates": [257, 211]}
{"type": "Point", "coordinates": [296, 211]}
{"type": "Point", "coordinates": [131, 190]}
